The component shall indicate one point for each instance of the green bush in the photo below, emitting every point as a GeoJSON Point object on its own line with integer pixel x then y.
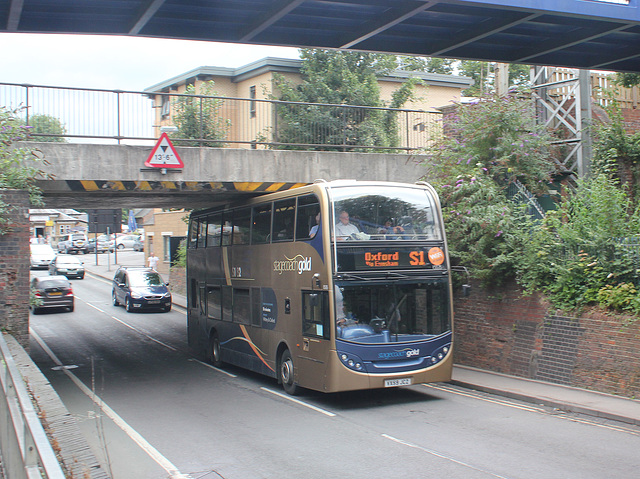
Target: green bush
{"type": "Point", "coordinates": [574, 255]}
{"type": "Point", "coordinates": [488, 145]}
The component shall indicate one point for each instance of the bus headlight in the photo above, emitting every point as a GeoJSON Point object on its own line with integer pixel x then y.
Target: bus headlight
{"type": "Point", "coordinates": [351, 361]}
{"type": "Point", "coordinates": [439, 355]}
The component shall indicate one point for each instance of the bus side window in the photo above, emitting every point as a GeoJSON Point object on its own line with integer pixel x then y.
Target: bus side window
{"type": "Point", "coordinates": [241, 306]}
{"type": "Point", "coordinates": [226, 229]}
{"type": "Point", "coordinates": [193, 300]}
{"type": "Point", "coordinates": [227, 303]}
{"type": "Point", "coordinates": [241, 226]}
{"type": "Point", "coordinates": [261, 228]}
{"type": "Point", "coordinates": [193, 233]}
{"type": "Point", "coordinates": [256, 306]}
{"type": "Point", "coordinates": [308, 209]}
{"type": "Point", "coordinates": [284, 212]}
{"type": "Point", "coordinates": [315, 314]}
{"type": "Point", "coordinates": [203, 301]}
{"type": "Point", "coordinates": [214, 302]}
{"type": "Point", "coordinates": [214, 230]}
{"type": "Point", "coordinates": [202, 233]}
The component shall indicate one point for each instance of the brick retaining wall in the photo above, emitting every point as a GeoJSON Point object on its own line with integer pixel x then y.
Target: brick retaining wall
{"type": "Point", "coordinates": [14, 267]}
{"type": "Point", "coordinates": [504, 331]}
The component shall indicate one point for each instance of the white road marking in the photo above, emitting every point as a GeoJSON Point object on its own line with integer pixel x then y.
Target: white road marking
{"type": "Point", "coordinates": [437, 454]}
{"type": "Point", "coordinates": [133, 328]}
{"type": "Point", "coordinates": [501, 402]}
{"type": "Point", "coordinates": [538, 410]}
{"type": "Point", "coordinates": [162, 461]}
{"type": "Point", "coordinates": [214, 368]}
{"type": "Point", "coordinates": [297, 401]}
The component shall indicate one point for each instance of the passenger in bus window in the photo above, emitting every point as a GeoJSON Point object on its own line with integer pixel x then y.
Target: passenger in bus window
{"type": "Point", "coordinates": [344, 229]}
{"type": "Point", "coordinates": [314, 228]}
{"type": "Point", "coordinates": [390, 231]}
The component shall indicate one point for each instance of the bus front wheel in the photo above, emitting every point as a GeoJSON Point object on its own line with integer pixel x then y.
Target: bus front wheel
{"type": "Point", "coordinates": [287, 373]}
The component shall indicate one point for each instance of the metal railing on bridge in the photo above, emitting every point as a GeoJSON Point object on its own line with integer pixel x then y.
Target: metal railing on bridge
{"type": "Point", "coordinates": [133, 117]}
{"type": "Point", "coordinates": [25, 447]}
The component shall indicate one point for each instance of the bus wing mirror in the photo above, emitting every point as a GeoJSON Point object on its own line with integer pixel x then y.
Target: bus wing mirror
{"type": "Point", "coordinates": [466, 290]}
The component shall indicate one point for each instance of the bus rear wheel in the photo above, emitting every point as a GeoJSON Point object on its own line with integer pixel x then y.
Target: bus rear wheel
{"type": "Point", "coordinates": [287, 375]}
{"type": "Point", "coordinates": [215, 357]}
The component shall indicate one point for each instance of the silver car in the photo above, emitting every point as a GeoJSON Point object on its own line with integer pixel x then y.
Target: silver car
{"type": "Point", "coordinates": [67, 265]}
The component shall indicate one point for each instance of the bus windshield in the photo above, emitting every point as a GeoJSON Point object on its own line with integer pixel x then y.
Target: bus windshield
{"type": "Point", "coordinates": [365, 213]}
{"type": "Point", "coordinates": [382, 313]}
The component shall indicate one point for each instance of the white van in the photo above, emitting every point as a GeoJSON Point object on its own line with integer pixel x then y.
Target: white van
{"type": "Point", "coordinates": [41, 256]}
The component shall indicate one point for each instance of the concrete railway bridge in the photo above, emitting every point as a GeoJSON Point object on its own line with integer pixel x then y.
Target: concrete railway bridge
{"type": "Point", "coordinates": [114, 176]}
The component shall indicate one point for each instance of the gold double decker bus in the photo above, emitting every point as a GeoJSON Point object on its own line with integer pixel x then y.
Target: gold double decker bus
{"type": "Point", "coordinates": [333, 286]}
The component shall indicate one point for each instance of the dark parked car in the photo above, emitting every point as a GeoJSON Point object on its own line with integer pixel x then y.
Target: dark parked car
{"type": "Point", "coordinates": [140, 288]}
{"type": "Point", "coordinates": [52, 292]}
{"type": "Point", "coordinates": [67, 265]}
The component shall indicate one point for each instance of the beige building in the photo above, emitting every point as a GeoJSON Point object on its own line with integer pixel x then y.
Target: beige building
{"type": "Point", "coordinates": [250, 115]}
{"type": "Point", "coordinates": [50, 224]}
{"type": "Point", "coordinates": [162, 233]}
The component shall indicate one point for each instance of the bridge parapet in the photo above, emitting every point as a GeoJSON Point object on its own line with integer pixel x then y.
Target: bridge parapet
{"type": "Point", "coordinates": [105, 176]}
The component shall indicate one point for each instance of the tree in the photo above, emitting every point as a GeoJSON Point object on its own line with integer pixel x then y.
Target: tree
{"type": "Point", "coordinates": [198, 116]}
{"type": "Point", "coordinates": [443, 66]}
{"type": "Point", "coordinates": [628, 80]}
{"type": "Point", "coordinates": [339, 78]}
{"type": "Point", "coordinates": [488, 146]}
{"type": "Point", "coordinates": [46, 125]}
{"type": "Point", "coordinates": [18, 166]}
{"type": "Point", "coordinates": [484, 77]}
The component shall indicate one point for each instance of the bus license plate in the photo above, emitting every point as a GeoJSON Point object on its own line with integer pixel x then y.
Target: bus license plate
{"type": "Point", "coordinates": [391, 383]}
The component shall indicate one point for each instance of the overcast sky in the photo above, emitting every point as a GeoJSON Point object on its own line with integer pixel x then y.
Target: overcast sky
{"type": "Point", "coordinates": [110, 62]}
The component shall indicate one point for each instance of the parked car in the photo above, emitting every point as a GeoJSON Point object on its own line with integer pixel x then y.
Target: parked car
{"type": "Point", "coordinates": [140, 288]}
{"type": "Point", "coordinates": [73, 243]}
{"type": "Point", "coordinates": [52, 292]}
{"type": "Point", "coordinates": [102, 242]}
{"type": "Point", "coordinates": [41, 256]}
{"type": "Point", "coordinates": [67, 265]}
{"type": "Point", "coordinates": [138, 246]}
{"type": "Point", "coordinates": [123, 241]}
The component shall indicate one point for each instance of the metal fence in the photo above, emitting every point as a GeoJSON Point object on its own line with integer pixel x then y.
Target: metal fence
{"type": "Point", "coordinates": [26, 451]}
{"type": "Point", "coordinates": [82, 114]}
{"type": "Point", "coordinates": [519, 194]}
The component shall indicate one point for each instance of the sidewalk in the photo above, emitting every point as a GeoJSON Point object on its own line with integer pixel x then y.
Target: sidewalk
{"type": "Point", "coordinates": [561, 397]}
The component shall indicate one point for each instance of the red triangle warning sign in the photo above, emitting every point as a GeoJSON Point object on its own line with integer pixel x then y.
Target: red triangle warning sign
{"type": "Point", "coordinates": [164, 155]}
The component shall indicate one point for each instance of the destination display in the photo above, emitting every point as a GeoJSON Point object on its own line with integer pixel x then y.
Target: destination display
{"type": "Point", "coordinates": [362, 259]}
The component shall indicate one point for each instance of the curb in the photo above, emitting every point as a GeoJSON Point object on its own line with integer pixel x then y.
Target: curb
{"type": "Point", "coordinates": [73, 450]}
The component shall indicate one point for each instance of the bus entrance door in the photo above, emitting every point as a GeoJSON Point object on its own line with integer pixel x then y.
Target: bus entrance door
{"type": "Point", "coordinates": [315, 342]}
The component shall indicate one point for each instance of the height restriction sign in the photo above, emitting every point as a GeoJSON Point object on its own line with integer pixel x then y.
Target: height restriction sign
{"type": "Point", "coordinates": [164, 155]}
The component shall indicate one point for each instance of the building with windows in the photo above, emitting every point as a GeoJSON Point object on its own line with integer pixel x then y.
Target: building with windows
{"type": "Point", "coordinates": [251, 119]}
{"type": "Point", "coordinates": [163, 232]}
{"type": "Point", "coordinates": [50, 224]}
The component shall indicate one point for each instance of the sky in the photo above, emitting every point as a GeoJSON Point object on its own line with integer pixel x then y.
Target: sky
{"type": "Point", "coordinates": [116, 62]}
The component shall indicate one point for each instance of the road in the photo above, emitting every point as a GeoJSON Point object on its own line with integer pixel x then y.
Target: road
{"type": "Point", "coordinates": [162, 413]}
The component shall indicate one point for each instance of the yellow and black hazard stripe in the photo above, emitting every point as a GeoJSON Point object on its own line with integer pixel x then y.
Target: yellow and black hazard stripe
{"type": "Point", "coordinates": [107, 185]}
